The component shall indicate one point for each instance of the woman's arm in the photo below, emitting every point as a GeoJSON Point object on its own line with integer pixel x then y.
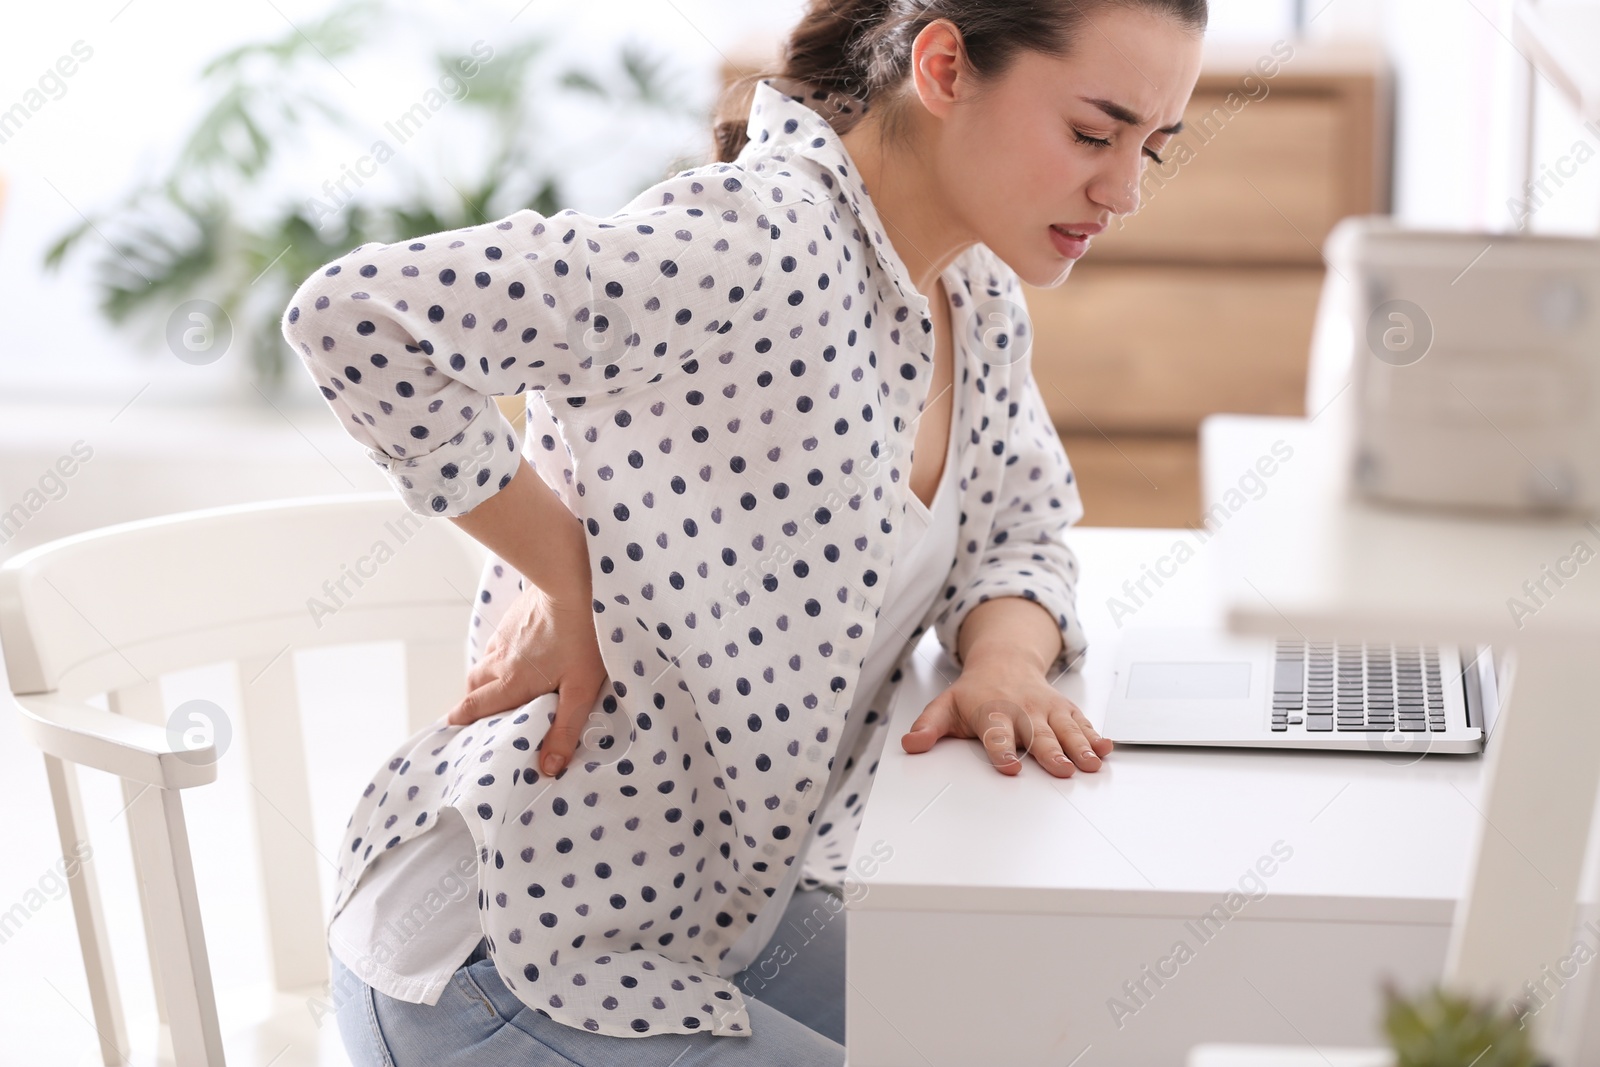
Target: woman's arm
{"type": "Point", "coordinates": [1025, 557]}
{"type": "Point", "coordinates": [1012, 628]}
{"type": "Point", "coordinates": [1014, 623]}
{"type": "Point", "coordinates": [527, 525]}
{"type": "Point", "coordinates": [409, 340]}
{"type": "Point", "coordinates": [546, 639]}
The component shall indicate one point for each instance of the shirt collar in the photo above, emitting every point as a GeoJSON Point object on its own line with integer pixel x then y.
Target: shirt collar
{"type": "Point", "coordinates": [783, 125]}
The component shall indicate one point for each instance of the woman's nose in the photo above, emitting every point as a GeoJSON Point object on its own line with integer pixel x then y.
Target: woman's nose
{"type": "Point", "coordinates": [1117, 190]}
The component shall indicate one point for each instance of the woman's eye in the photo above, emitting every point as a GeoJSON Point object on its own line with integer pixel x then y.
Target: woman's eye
{"type": "Point", "coordinates": [1105, 142]}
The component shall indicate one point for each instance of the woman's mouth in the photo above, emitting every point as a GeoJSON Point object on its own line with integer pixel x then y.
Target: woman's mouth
{"type": "Point", "coordinates": [1071, 243]}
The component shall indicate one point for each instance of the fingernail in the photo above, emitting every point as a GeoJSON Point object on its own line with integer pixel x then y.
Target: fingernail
{"type": "Point", "coordinates": [1062, 759]}
{"type": "Point", "coordinates": [552, 763]}
{"type": "Point", "coordinates": [1088, 754]}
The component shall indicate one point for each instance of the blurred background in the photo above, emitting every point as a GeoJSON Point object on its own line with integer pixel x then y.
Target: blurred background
{"type": "Point", "coordinates": [162, 199]}
{"type": "Point", "coordinates": [170, 170]}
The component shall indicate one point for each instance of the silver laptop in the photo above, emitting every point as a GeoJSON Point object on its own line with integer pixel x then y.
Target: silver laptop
{"type": "Point", "coordinates": [1183, 686]}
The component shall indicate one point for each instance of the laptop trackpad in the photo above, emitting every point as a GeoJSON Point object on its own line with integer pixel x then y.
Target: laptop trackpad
{"type": "Point", "coordinates": [1190, 685]}
{"type": "Point", "coordinates": [1189, 681]}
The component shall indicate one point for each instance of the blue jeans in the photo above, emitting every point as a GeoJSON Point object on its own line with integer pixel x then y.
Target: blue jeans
{"type": "Point", "coordinates": [796, 1015]}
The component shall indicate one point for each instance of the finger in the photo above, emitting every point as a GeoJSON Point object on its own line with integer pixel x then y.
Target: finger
{"type": "Point", "coordinates": [490, 666]}
{"type": "Point", "coordinates": [574, 701]}
{"type": "Point", "coordinates": [1070, 733]}
{"type": "Point", "coordinates": [1022, 724]}
{"type": "Point", "coordinates": [490, 698]}
{"type": "Point", "coordinates": [1101, 745]}
{"type": "Point", "coordinates": [483, 669]}
{"type": "Point", "coordinates": [495, 665]}
{"type": "Point", "coordinates": [1047, 750]}
{"type": "Point", "coordinates": [997, 726]}
{"type": "Point", "coordinates": [478, 703]}
{"type": "Point", "coordinates": [936, 721]}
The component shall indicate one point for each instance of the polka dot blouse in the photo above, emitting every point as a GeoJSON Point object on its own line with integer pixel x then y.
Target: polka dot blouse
{"type": "Point", "coordinates": [722, 381]}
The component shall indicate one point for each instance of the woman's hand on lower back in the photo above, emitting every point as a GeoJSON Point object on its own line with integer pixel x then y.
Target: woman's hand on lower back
{"type": "Point", "coordinates": [542, 645]}
{"type": "Point", "coordinates": [546, 641]}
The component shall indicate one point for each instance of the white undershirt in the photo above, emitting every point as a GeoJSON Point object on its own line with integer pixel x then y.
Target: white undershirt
{"type": "Point", "coordinates": [414, 917]}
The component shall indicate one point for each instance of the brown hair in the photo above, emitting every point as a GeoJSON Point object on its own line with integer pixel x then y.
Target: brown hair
{"type": "Point", "coordinates": [862, 48]}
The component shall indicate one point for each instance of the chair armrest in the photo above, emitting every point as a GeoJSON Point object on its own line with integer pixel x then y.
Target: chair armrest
{"type": "Point", "coordinates": [84, 734]}
{"type": "Point", "coordinates": [1286, 1056]}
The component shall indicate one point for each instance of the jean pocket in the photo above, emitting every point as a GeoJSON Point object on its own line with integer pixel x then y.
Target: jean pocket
{"type": "Point", "coordinates": [525, 1035]}
{"type": "Point", "coordinates": [469, 988]}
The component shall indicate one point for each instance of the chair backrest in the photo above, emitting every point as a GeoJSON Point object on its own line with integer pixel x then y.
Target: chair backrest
{"type": "Point", "coordinates": [113, 609]}
{"type": "Point", "coordinates": [121, 605]}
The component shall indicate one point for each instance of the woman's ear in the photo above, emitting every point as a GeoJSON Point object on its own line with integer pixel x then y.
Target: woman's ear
{"type": "Point", "coordinates": [938, 66]}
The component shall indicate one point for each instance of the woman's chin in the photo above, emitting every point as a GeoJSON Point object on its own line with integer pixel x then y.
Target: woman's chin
{"type": "Point", "coordinates": [1046, 274]}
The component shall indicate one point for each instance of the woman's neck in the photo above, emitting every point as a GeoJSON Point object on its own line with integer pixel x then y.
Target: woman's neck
{"type": "Point", "coordinates": [925, 232]}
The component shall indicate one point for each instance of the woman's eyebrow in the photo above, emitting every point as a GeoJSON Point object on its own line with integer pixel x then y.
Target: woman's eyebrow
{"type": "Point", "coordinates": [1123, 115]}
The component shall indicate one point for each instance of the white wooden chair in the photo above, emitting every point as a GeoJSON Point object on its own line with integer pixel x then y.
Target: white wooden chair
{"type": "Point", "coordinates": [112, 610]}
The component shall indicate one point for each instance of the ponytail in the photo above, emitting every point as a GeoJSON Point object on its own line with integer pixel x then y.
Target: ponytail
{"type": "Point", "coordinates": [847, 56]}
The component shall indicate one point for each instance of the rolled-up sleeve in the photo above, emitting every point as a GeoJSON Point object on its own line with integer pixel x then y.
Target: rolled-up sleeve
{"type": "Point", "coordinates": [409, 341]}
{"type": "Point", "coordinates": [1025, 555]}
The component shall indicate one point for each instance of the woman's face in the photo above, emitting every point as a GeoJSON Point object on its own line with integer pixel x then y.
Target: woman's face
{"type": "Point", "coordinates": [1061, 144]}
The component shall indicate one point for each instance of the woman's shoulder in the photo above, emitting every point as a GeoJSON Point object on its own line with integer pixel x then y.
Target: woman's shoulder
{"type": "Point", "coordinates": [737, 188]}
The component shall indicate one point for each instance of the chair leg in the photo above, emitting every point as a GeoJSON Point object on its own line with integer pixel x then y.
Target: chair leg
{"type": "Point", "coordinates": [176, 937]}
{"type": "Point", "coordinates": [104, 997]}
{"type": "Point", "coordinates": [130, 793]}
{"type": "Point", "coordinates": [285, 828]}
{"type": "Point", "coordinates": [143, 703]}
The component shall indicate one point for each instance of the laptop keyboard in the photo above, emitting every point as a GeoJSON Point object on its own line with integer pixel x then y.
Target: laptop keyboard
{"type": "Point", "coordinates": [1326, 687]}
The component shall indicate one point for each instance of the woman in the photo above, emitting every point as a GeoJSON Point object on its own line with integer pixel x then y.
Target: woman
{"type": "Point", "coordinates": [764, 463]}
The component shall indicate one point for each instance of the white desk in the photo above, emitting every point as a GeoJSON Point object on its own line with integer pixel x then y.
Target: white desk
{"type": "Point", "coordinates": [1308, 558]}
{"type": "Point", "coordinates": [1014, 909]}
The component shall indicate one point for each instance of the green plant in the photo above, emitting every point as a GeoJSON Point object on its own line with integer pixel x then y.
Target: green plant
{"type": "Point", "coordinates": [215, 228]}
{"type": "Point", "coordinates": [1438, 1028]}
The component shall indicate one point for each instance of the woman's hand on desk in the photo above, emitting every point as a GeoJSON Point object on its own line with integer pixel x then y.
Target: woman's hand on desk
{"type": "Point", "coordinates": [542, 645]}
{"type": "Point", "coordinates": [1005, 701]}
